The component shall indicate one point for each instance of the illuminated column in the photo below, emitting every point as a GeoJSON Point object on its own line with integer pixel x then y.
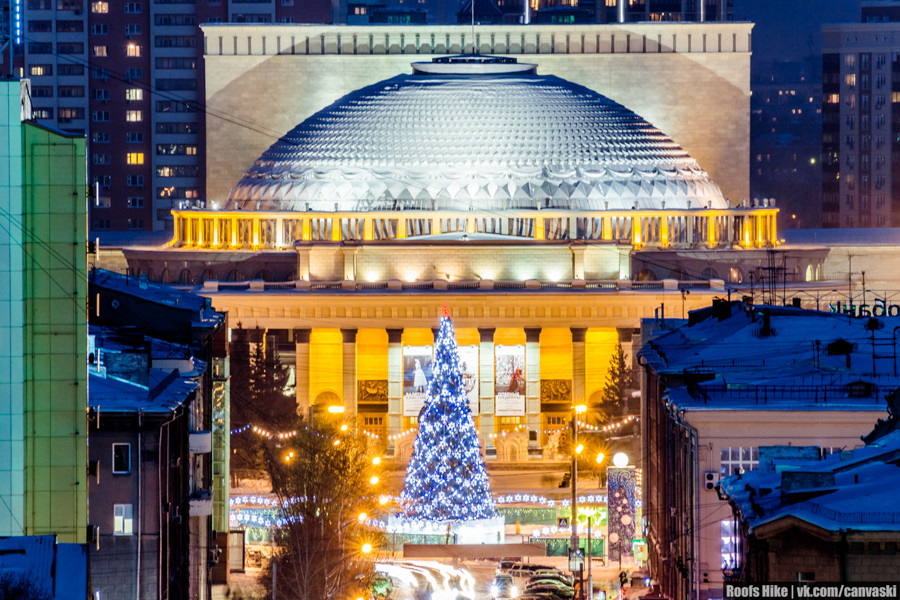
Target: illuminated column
{"type": "Point", "coordinates": [279, 232]}
{"type": "Point", "coordinates": [486, 391]}
{"type": "Point", "coordinates": [664, 230]}
{"type": "Point", "coordinates": [606, 228]}
{"type": "Point", "coordinates": [533, 391]}
{"type": "Point", "coordinates": [234, 232]}
{"type": "Point", "coordinates": [689, 226]}
{"type": "Point", "coordinates": [255, 235]}
{"type": "Point", "coordinates": [301, 339]}
{"type": "Point", "coordinates": [349, 370]}
{"type": "Point", "coordinates": [395, 386]}
{"type": "Point", "coordinates": [578, 364]}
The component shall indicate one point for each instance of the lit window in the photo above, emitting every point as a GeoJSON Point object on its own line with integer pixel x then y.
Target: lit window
{"type": "Point", "coordinates": [134, 94]}
{"type": "Point", "coordinates": [100, 51]}
{"type": "Point", "coordinates": [123, 522]}
{"type": "Point", "coordinates": [728, 545]}
{"type": "Point", "coordinates": [133, 116]}
{"type": "Point", "coordinates": [134, 158]}
{"type": "Point", "coordinates": [851, 79]}
{"type": "Point", "coordinates": [100, 7]}
{"type": "Point", "coordinates": [39, 70]}
{"type": "Point", "coordinates": [121, 459]}
{"type": "Point", "coordinates": [133, 50]}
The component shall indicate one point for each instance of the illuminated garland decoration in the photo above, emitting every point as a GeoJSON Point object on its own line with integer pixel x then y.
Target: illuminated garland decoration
{"type": "Point", "coordinates": [398, 436]}
{"type": "Point", "coordinates": [262, 511]}
{"type": "Point", "coordinates": [446, 479]}
{"type": "Point", "coordinates": [609, 426]}
{"type": "Point", "coordinates": [527, 499]}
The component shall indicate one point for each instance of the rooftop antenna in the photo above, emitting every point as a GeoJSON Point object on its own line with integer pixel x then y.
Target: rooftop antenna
{"type": "Point", "coordinates": [473, 26]}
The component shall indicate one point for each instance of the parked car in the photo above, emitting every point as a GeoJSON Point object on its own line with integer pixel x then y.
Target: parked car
{"type": "Point", "coordinates": [504, 587]}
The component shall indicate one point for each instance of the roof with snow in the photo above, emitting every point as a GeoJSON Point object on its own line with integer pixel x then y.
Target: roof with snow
{"type": "Point", "coordinates": [733, 356]}
{"type": "Point", "coordinates": [846, 490]}
{"type": "Point", "coordinates": [55, 571]}
{"type": "Point", "coordinates": [138, 386]}
{"type": "Point", "coordinates": [474, 133]}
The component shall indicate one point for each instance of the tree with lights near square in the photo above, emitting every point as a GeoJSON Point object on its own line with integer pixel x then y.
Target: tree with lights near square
{"type": "Point", "coordinates": [446, 479]}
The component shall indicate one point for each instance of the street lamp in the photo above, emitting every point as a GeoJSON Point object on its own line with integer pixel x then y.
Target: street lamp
{"type": "Point", "coordinates": [577, 448]}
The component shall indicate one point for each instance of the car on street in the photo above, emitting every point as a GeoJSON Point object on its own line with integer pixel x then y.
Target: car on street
{"type": "Point", "coordinates": [560, 590]}
{"type": "Point", "coordinates": [504, 587]}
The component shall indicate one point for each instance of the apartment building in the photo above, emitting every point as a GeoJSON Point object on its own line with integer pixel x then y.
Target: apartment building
{"type": "Point", "coordinates": [860, 112]}
{"type": "Point", "coordinates": [128, 75]}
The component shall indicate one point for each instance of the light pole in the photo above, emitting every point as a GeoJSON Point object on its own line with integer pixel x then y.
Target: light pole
{"type": "Point", "coordinates": [576, 449]}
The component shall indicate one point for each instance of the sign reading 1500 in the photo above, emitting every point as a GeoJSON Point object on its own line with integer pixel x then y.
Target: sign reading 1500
{"type": "Point", "coordinates": [879, 309]}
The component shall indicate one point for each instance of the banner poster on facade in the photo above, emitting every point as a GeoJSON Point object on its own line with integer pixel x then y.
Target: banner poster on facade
{"type": "Point", "coordinates": [509, 390]}
{"type": "Point", "coordinates": [621, 490]}
{"type": "Point", "coordinates": [468, 365]}
{"type": "Point", "coordinates": [416, 374]}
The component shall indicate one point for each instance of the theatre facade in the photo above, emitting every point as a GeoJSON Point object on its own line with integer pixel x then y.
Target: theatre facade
{"type": "Point", "coordinates": [548, 216]}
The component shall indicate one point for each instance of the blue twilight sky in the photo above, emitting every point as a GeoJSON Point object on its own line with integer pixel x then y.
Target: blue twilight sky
{"type": "Point", "coordinates": [791, 29]}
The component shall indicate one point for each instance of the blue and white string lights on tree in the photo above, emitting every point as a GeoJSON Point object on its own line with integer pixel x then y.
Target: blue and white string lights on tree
{"type": "Point", "coordinates": [446, 487]}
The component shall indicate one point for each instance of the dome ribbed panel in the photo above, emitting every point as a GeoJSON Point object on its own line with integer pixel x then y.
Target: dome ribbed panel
{"type": "Point", "coordinates": [474, 142]}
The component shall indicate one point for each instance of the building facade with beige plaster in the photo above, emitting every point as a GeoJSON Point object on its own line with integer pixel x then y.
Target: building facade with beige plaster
{"type": "Point", "coordinates": [691, 80]}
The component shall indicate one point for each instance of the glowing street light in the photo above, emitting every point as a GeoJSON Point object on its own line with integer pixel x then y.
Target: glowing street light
{"type": "Point", "coordinates": [376, 460]}
{"type": "Point", "coordinates": [362, 517]}
{"type": "Point", "coordinates": [576, 410]}
{"type": "Point", "coordinates": [620, 460]}
{"type": "Point", "coordinates": [600, 458]}
{"type": "Point", "coordinates": [336, 409]}
{"type": "Point", "coordinates": [366, 548]}
{"type": "Point", "coordinates": [374, 479]}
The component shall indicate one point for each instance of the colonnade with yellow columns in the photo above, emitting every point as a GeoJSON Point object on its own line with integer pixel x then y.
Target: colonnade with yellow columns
{"type": "Point", "coordinates": [358, 375]}
{"type": "Point", "coordinates": [748, 227]}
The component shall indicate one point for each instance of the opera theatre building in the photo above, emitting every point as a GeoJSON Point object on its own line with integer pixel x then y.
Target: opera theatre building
{"type": "Point", "coordinates": [551, 190]}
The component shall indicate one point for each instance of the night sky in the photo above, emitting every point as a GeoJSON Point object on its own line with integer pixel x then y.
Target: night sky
{"type": "Point", "coordinates": [791, 29]}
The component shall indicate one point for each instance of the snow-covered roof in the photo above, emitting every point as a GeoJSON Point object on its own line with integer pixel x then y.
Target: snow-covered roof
{"type": "Point", "coordinates": [776, 358]}
{"type": "Point", "coordinates": [160, 390]}
{"type": "Point", "coordinates": [462, 135]}
{"type": "Point", "coordinates": [856, 489]}
{"type": "Point", "coordinates": [55, 570]}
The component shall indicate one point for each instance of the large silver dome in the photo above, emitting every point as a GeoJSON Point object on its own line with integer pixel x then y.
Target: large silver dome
{"type": "Point", "coordinates": [464, 137]}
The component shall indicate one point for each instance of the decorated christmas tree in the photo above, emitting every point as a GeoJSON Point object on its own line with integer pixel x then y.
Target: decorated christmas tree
{"type": "Point", "coordinates": [446, 479]}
